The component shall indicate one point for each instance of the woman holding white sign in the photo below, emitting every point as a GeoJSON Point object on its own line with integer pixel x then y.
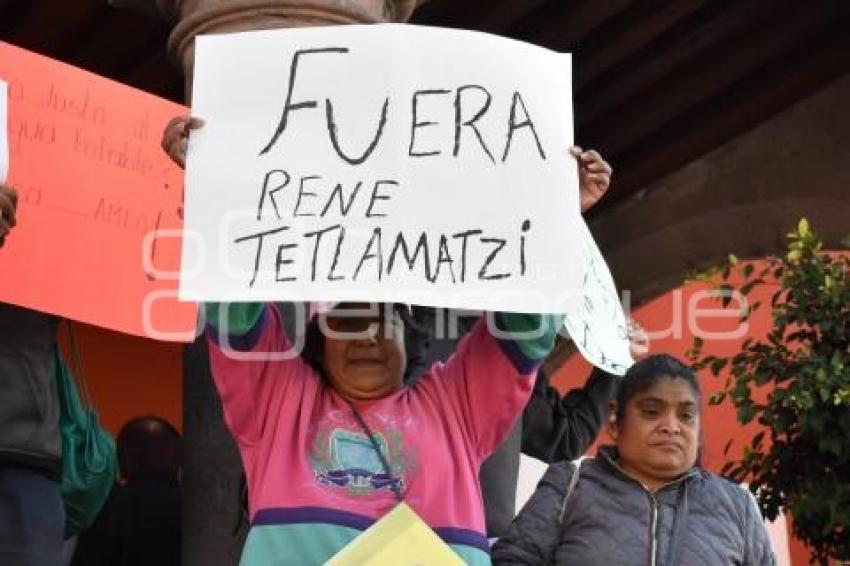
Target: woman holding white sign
{"type": "Point", "coordinates": [332, 440]}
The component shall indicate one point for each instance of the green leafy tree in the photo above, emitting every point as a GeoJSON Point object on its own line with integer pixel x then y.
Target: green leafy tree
{"type": "Point", "coordinates": [802, 369]}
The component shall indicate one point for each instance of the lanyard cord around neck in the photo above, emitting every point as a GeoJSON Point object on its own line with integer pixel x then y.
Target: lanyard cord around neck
{"type": "Point", "coordinates": [362, 422]}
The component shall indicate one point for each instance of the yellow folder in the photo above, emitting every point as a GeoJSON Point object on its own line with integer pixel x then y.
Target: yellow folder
{"type": "Point", "coordinates": [400, 538]}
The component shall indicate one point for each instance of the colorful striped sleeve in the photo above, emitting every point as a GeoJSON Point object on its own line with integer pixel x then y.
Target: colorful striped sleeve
{"type": "Point", "coordinates": [490, 377]}
{"type": "Point", "coordinates": [253, 365]}
{"type": "Point", "coordinates": [239, 323]}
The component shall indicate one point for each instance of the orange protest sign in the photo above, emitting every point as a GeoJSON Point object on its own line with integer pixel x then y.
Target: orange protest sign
{"type": "Point", "coordinates": [93, 186]}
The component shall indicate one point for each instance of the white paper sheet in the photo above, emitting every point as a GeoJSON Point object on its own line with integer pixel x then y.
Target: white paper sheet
{"type": "Point", "coordinates": [598, 326]}
{"type": "Point", "coordinates": [290, 115]}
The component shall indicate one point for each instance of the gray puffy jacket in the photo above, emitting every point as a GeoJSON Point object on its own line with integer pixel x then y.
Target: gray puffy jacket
{"type": "Point", "coordinates": [611, 519]}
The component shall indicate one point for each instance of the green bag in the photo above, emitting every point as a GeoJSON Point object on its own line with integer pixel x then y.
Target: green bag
{"type": "Point", "coordinates": [89, 464]}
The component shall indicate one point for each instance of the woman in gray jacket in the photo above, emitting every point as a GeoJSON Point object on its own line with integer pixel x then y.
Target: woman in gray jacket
{"type": "Point", "coordinates": [645, 500]}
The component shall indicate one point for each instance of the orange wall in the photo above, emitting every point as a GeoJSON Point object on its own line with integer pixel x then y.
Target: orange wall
{"type": "Point", "coordinates": [128, 376]}
{"type": "Point", "coordinates": [673, 320]}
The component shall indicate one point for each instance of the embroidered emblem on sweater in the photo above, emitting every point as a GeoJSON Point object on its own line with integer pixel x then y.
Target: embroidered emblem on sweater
{"type": "Point", "coordinates": [344, 459]}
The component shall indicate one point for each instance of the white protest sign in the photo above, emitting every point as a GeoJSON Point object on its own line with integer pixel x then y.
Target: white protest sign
{"type": "Point", "coordinates": [599, 327]}
{"type": "Point", "coordinates": [4, 129]}
{"type": "Point", "coordinates": [381, 163]}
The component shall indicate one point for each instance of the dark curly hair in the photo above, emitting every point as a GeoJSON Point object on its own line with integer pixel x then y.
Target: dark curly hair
{"type": "Point", "coordinates": [416, 341]}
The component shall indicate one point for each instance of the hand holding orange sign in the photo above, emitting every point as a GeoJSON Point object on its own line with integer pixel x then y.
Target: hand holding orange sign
{"type": "Point", "coordinates": [93, 186]}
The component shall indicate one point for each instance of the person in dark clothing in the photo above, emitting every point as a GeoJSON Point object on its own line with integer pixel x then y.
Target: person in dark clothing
{"type": "Point", "coordinates": [140, 523]}
{"type": "Point", "coordinates": [148, 445]}
{"type": "Point", "coordinates": [32, 514]}
{"type": "Point", "coordinates": [559, 426]}
{"type": "Point", "coordinates": [645, 500]}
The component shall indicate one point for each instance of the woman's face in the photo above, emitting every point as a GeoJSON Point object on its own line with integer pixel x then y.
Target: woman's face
{"type": "Point", "coordinates": [364, 350]}
{"type": "Point", "coordinates": [658, 437]}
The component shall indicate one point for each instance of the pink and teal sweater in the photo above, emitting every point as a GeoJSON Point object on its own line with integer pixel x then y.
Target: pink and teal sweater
{"type": "Point", "coordinates": [314, 480]}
